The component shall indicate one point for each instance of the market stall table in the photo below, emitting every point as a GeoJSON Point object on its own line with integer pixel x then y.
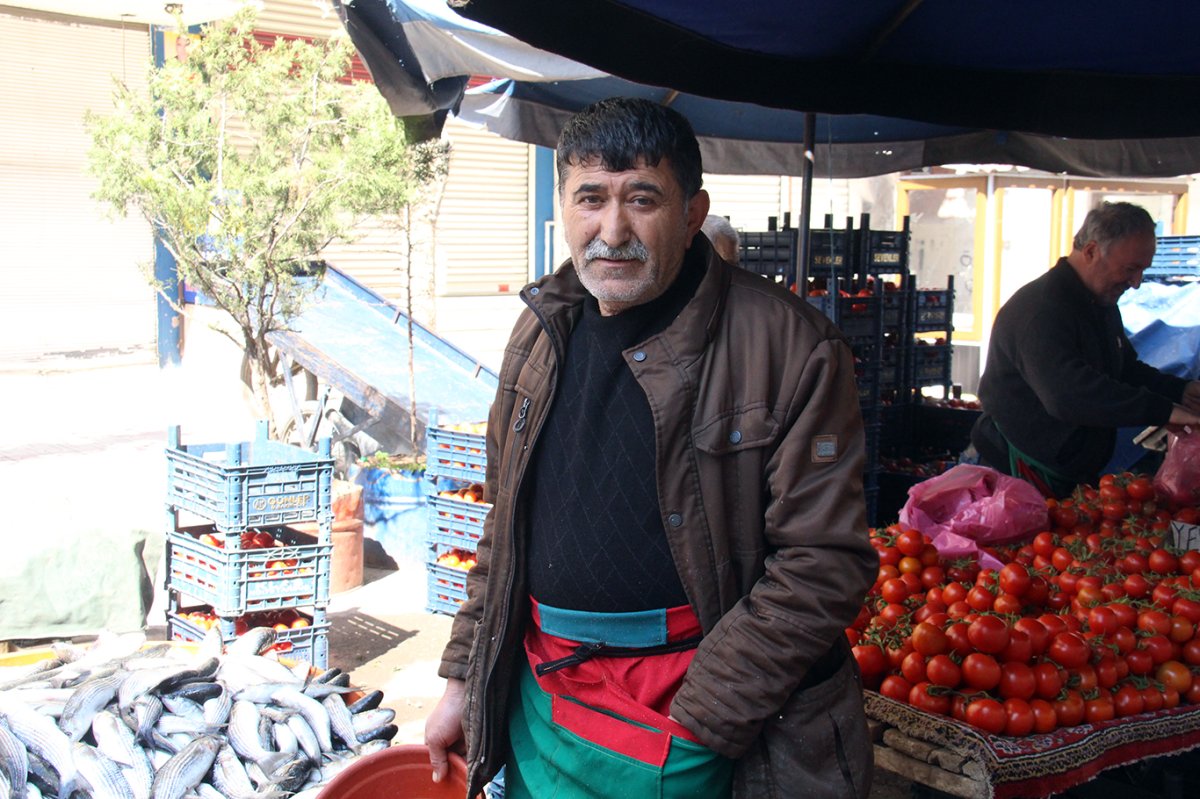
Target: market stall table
{"type": "Point", "coordinates": [957, 759]}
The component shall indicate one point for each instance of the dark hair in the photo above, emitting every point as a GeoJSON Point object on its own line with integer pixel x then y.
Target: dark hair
{"type": "Point", "coordinates": [621, 131]}
{"type": "Point", "coordinates": [1111, 222]}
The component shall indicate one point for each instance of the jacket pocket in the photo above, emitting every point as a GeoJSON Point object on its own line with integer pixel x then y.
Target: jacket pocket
{"type": "Point", "coordinates": [736, 430]}
{"type": "Point", "coordinates": [816, 746]}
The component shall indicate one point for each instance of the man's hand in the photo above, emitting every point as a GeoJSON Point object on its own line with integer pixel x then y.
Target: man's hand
{"type": "Point", "coordinates": [443, 728]}
{"type": "Point", "coordinates": [1191, 396]}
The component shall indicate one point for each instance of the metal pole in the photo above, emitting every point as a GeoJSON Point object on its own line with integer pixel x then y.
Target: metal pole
{"type": "Point", "coordinates": [810, 134]}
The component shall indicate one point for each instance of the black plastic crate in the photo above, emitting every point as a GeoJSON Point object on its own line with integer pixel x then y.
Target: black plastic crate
{"type": "Point", "coordinates": [945, 428]}
{"type": "Point", "coordinates": [235, 581]}
{"type": "Point", "coordinates": [930, 364]}
{"type": "Point", "coordinates": [771, 253]}
{"type": "Point", "coordinates": [250, 484]}
{"type": "Point", "coordinates": [829, 253]}
{"type": "Point", "coordinates": [934, 310]}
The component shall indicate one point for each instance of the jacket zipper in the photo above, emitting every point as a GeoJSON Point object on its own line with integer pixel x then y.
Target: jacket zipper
{"type": "Point", "coordinates": [518, 428]}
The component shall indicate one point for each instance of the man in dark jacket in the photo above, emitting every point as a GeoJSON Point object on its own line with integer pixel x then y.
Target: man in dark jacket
{"type": "Point", "coordinates": [678, 537]}
{"type": "Point", "coordinates": [1061, 375]}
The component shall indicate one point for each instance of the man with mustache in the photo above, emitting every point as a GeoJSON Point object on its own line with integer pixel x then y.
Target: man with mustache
{"type": "Point", "coordinates": [678, 537]}
{"type": "Point", "coordinates": [1061, 375]}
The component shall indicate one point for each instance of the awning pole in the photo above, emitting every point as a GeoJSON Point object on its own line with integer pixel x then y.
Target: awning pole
{"type": "Point", "coordinates": [810, 135]}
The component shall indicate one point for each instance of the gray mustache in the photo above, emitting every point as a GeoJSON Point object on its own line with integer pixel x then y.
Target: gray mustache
{"type": "Point", "coordinates": [633, 251]}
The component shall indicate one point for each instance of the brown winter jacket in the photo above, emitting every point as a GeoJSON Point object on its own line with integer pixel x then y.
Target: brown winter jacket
{"type": "Point", "coordinates": [760, 453]}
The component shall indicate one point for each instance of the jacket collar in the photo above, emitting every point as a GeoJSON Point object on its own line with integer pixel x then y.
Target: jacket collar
{"type": "Point", "coordinates": [557, 300]}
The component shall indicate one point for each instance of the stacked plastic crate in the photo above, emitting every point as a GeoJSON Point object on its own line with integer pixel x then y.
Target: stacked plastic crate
{"type": "Point", "coordinates": [456, 461]}
{"type": "Point", "coordinates": [234, 560]}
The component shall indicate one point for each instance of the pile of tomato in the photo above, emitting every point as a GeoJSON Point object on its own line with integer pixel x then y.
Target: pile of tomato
{"type": "Point", "coordinates": [1096, 618]}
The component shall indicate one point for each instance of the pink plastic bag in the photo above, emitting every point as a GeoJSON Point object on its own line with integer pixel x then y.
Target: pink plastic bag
{"type": "Point", "coordinates": [970, 505]}
{"type": "Point", "coordinates": [1178, 478]}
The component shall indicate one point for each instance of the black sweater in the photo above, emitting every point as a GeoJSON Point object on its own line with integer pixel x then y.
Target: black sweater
{"type": "Point", "coordinates": [597, 540]}
{"type": "Point", "coordinates": [1061, 376]}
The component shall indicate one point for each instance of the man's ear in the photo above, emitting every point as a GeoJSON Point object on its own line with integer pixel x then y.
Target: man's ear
{"type": "Point", "coordinates": [697, 211]}
{"type": "Point", "coordinates": [1091, 252]}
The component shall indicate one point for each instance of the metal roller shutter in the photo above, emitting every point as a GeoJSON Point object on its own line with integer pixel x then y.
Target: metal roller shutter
{"type": "Point", "coordinates": [70, 281]}
{"type": "Point", "coordinates": [484, 222]}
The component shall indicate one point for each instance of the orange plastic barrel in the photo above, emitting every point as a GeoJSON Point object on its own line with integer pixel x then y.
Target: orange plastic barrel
{"type": "Point", "coordinates": [398, 772]}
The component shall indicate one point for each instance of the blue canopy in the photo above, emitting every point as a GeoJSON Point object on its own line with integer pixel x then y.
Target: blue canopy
{"type": "Point", "coordinates": [422, 54]}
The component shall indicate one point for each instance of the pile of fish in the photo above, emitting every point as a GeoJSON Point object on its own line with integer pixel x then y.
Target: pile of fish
{"type": "Point", "coordinates": [126, 719]}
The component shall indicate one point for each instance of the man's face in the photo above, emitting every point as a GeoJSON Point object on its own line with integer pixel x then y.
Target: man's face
{"type": "Point", "coordinates": [1109, 274]}
{"type": "Point", "coordinates": [628, 231]}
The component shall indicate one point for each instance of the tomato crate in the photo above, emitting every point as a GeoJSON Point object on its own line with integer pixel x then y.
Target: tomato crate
{"type": "Point", "coordinates": [455, 454]}
{"type": "Point", "coordinates": [930, 364]}
{"type": "Point", "coordinates": [455, 522]}
{"type": "Point", "coordinates": [308, 644]}
{"type": "Point", "coordinates": [934, 310]}
{"type": "Point", "coordinates": [447, 589]}
{"type": "Point", "coordinates": [249, 484]}
{"type": "Point", "coordinates": [235, 580]}
{"type": "Point", "coordinates": [856, 317]}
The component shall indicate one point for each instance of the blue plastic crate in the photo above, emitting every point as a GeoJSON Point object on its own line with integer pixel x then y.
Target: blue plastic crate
{"type": "Point", "coordinates": [450, 453]}
{"type": "Point", "coordinates": [249, 484]}
{"type": "Point", "coordinates": [301, 644]}
{"type": "Point", "coordinates": [235, 581]}
{"type": "Point", "coordinates": [455, 522]}
{"type": "Point", "coordinates": [447, 589]}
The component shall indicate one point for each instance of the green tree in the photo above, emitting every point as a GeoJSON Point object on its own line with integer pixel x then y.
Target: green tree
{"type": "Point", "coordinates": [248, 159]}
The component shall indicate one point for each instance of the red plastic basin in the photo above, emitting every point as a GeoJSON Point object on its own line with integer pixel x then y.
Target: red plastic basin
{"type": "Point", "coordinates": [398, 772]}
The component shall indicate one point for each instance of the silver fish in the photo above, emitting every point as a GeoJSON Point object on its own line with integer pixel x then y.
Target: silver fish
{"type": "Point", "coordinates": [373, 719]}
{"type": "Point", "coordinates": [102, 776]}
{"type": "Point", "coordinates": [341, 722]}
{"type": "Point", "coordinates": [183, 707]}
{"type": "Point", "coordinates": [143, 715]}
{"type": "Point", "coordinates": [368, 701]}
{"type": "Point", "coordinates": [312, 710]}
{"type": "Point", "coordinates": [89, 699]}
{"type": "Point", "coordinates": [241, 673]}
{"type": "Point", "coordinates": [306, 738]}
{"type": "Point", "coordinates": [231, 779]}
{"type": "Point", "coordinates": [116, 741]}
{"type": "Point", "coordinates": [285, 739]}
{"type": "Point", "coordinates": [184, 771]}
{"type": "Point", "coordinates": [14, 761]}
{"type": "Point", "coordinates": [42, 736]}
{"type": "Point", "coordinates": [42, 775]}
{"type": "Point", "coordinates": [252, 642]}
{"type": "Point", "coordinates": [243, 732]}
{"type": "Point", "coordinates": [290, 776]}
{"type": "Point", "coordinates": [216, 710]}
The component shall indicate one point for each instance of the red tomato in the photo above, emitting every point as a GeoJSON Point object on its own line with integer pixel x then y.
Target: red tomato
{"type": "Point", "coordinates": [1139, 661]}
{"type": "Point", "coordinates": [1188, 608]}
{"type": "Point", "coordinates": [1124, 639]}
{"type": "Point", "coordinates": [913, 583]}
{"type": "Point", "coordinates": [1102, 620]}
{"type": "Point", "coordinates": [1053, 623]}
{"type": "Point", "coordinates": [1007, 605]}
{"type": "Point", "coordinates": [1182, 629]}
{"type": "Point", "coordinates": [1191, 652]}
{"type": "Point", "coordinates": [980, 672]}
{"type": "Point", "coordinates": [921, 698]}
{"type": "Point", "coordinates": [1159, 647]}
{"type": "Point", "coordinates": [893, 590]}
{"type": "Point", "coordinates": [895, 687]}
{"type": "Point", "coordinates": [1107, 672]}
{"type": "Point", "coordinates": [1048, 680]}
{"type": "Point", "coordinates": [1062, 559]}
{"type": "Point", "coordinates": [1128, 701]}
{"type": "Point", "coordinates": [1019, 719]}
{"type": "Point", "coordinates": [1017, 680]}
{"type": "Point", "coordinates": [988, 634]}
{"type": "Point", "coordinates": [1154, 621]}
{"type": "Point", "coordinates": [954, 592]}
{"type": "Point", "coordinates": [932, 576]}
{"type": "Point", "coordinates": [1163, 562]}
{"type": "Point", "coordinates": [1019, 649]}
{"type": "Point", "coordinates": [956, 637]}
{"type": "Point", "coordinates": [1152, 699]}
{"type": "Point", "coordinates": [1126, 614]}
{"type": "Point", "coordinates": [1015, 579]}
{"type": "Point", "coordinates": [1035, 630]}
{"type": "Point", "coordinates": [1163, 594]}
{"type": "Point", "coordinates": [1140, 488]}
{"type": "Point", "coordinates": [1069, 650]}
{"type": "Point", "coordinates": [1044, 718]}
{"type": "Point", "coordinates": [1189, 561]}
{"type": "Point", "coordinates": [1069, 708]}
{"type": "Point", "coordinates": [871, 662]}
{"type": "Point", "coordinates": [987, 714]}
{"type": "Point", "coordinates": [929, 640]}
{"type": "Point", "coordinates": [910, 542]}
{"type": "Point", "coordinates": [941, 670]}
{"type": "Point", "coordinates": [1099, 708]}
{"type": "Point", "coordinates": [1174, 675]}
{"type": "Point", "coordinates": [980, 598]}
